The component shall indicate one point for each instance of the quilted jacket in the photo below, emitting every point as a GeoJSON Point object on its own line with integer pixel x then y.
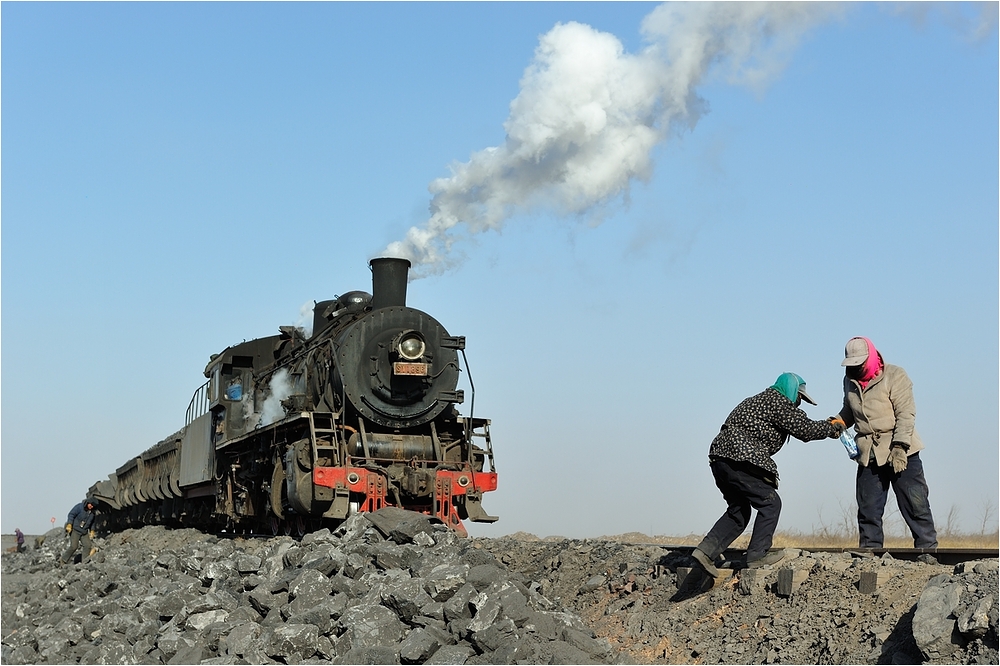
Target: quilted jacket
{"type": "Point", "coordinates": [881, 414]}
{"type": "Point", "coordinates": [760, 425]}
{"type": "Point", "coordinates": [81, 519]}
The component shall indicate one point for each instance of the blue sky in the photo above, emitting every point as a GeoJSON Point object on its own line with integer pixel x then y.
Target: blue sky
{"type": "Point", "coordinates": [179, 177]}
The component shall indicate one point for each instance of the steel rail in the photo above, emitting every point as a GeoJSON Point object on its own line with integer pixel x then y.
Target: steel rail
{"type": "Point", "coordinates": [947, 556]}
{"type": "Point", "coordinates": [942, 555]}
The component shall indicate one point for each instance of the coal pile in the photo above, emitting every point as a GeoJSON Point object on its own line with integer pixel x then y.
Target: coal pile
{"type": "Point", "coordinates": [391, 587]}
{"type": "Point", "coordinates": [956, 616]}
{"type": "Point", "coordinates": [810, 608]}
{"type": "Point", "coordinates": [384, 588]}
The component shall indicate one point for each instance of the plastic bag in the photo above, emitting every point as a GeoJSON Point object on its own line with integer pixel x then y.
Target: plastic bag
{"type": "Point", "coordinates": [852, 447]}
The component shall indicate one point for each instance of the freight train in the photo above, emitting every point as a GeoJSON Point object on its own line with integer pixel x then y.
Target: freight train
{"type": "Point", "coordinates": [293, 432]}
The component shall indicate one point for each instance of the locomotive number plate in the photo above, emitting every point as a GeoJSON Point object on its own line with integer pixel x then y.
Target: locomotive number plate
{"type": "Point", "coordinates": [414, 369]}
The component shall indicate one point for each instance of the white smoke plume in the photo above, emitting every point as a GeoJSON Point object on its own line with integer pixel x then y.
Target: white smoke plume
{"type": "Point", "coordinates": [250, 418]}
{"type": "Point", "coordinates": [588, 115]}
{"type": "Point", "coordinates": [973, 22]}
{"type": "Point", "coordinates": [280, 388]}
{"type": "Point", "coordinates": [305, 320]}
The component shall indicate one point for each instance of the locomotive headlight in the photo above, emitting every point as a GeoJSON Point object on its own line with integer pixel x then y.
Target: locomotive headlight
{"type": "Point", "coordinates": [411, 347]}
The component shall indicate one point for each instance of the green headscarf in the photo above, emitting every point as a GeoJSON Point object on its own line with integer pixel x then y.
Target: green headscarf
{"type": "Point", "coordinates": [788, 384]}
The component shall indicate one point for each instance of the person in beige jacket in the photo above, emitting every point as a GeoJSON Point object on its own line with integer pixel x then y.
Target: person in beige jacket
{"type": "Point", "coordinates": [878, 402]}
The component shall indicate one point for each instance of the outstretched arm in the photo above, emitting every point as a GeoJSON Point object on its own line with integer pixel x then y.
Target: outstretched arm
{"type": "Point", "coordinates": [797, 424]}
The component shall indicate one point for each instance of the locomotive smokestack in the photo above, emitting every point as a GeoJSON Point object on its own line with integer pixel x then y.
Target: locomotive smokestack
{"type": "Point", "coordinates": [389, 281]}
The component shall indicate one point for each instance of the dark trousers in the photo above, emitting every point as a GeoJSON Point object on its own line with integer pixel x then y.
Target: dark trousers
{"type": "Point", "coordinates": [74, 542]}
{"type": "Point", "coordinates": [911, 498]}
{"type": "Point", "coordinates": [742, 489]}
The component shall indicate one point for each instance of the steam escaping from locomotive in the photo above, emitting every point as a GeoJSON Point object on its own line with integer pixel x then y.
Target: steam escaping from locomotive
{"type": "Point", "coordinates": [280, 388]}
{"type": "Point", "coordinates": [305, 319]}
{"type": "Point", "coordinates": [588, 115]}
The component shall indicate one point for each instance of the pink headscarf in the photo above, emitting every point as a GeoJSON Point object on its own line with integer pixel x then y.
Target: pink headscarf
{"type": "Point", "coordinates": [873, 364]}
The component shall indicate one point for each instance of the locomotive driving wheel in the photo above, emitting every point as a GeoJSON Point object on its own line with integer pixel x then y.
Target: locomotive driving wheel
{"type": "Point", "coordinates": [279, 495]}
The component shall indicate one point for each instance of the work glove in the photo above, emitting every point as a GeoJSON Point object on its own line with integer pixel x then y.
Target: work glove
{"type": "Point", "coordinates": [69, 527]}
{"type": "Point", "coordinates": [897, 456]}
{"type": "Point", "coordinates": [92, 534]}
{"type": "Point", "coordinates": [838, 425]}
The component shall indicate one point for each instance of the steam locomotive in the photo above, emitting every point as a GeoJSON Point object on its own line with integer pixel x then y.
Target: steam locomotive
{"type": "Point", "coordinates": [291, 433]}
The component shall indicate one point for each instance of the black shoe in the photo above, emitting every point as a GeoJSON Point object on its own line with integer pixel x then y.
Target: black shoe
{"type": "Point", "coordinates": [698, 582]}
{"type": "Point", "coordinates": [705, 562]}
{"type": "Point", "coordinates": [769, 559]}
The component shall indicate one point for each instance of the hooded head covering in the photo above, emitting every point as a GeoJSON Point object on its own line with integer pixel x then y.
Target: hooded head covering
{"type": "Point", "coordinates": [792, 387]}
{"type": "Point", "coordinates": [861, 355]}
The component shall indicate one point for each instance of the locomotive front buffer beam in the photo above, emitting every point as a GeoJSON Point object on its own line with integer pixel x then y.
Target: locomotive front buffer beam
{"type": "Point", "coordinates": [372, 487]}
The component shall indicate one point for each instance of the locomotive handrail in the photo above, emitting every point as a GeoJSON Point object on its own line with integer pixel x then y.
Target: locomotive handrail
{"type": "Point", "coordinates": [472, 401]}
{"type": "Point", "coordinates": [198, 405]}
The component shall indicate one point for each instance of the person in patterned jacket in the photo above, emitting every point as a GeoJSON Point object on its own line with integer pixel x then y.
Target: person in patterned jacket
{"type": "Point", "coordinates": [740, 459]}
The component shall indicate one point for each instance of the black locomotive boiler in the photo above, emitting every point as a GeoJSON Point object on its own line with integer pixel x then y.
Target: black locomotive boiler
{"type": "Point", "coordinates": [291, 432]}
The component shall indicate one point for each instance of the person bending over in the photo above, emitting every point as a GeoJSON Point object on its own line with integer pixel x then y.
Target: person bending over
{"type": "Point", "coordinates": [78, 524]}
{"type": "Point", "coordinates": [740, 459]}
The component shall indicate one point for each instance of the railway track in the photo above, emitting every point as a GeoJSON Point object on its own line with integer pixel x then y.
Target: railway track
{"type": "Point", "coordinates": [732, 556]}
{"type": "Point", "coordinates": [947, 556]}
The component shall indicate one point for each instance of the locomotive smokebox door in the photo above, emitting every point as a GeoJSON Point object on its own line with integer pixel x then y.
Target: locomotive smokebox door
{"type": "Point", "coordinates": [399, 367]}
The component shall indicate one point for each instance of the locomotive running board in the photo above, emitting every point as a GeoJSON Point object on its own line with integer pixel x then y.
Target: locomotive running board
{"type": "Point", "coordinates": [257, 432]}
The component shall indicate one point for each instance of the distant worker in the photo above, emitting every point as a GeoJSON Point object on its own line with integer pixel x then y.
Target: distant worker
{"type": "Point", "coordinates": [78, 526]}
{"type": "Point", "coordinates": [20, 539]}
{"type": "Point", "coordinates": [878, 402]}
{"type": "Point", "coordinates": [740, 459]}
